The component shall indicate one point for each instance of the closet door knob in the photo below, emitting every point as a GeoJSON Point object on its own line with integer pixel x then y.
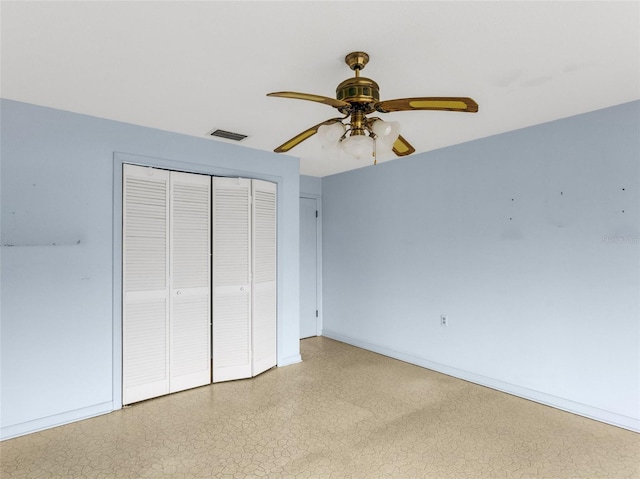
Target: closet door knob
{"type": "Point", "coordinates": [178, 292]}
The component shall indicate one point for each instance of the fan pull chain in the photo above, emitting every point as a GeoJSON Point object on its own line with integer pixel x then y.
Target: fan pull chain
{"type": "Point", "coordinates": [375, 157]}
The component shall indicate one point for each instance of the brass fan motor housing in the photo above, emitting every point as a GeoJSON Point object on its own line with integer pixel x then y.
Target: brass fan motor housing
{"type": "Point", "coordinates": [364, 92]}
{"type": "Point", "coordinates": [358, 90]}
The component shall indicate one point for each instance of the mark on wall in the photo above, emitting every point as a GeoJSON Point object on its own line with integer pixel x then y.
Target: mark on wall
{"type": "Point", "coordinates": [537, 81]}
{"type": "Point", "coordinates": [623, 225]}
{"type": "Point", "coordinates": [628, 239]}
{"type": "Point", "coordinates": [562, 208]}
{"type": "Point", "coordinates": [11, 245]}
{"type": "Point", "coordinates": [507, 78]}
{"type": "Point", "coordinates": [512, 231]}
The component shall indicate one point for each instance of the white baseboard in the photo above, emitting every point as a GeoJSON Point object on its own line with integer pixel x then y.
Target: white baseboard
{"type": "Point", "coordinates": [585, 410]}
{"type": "Point", "coordinates": [28, 427]}
{"type": "Point", "coordinates": [15, 430]}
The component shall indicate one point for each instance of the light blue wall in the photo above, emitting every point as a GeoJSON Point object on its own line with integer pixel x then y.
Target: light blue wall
{"type": "Point", "coordinates": [310, 185]}
{"type": "Point", "coordinates": [528, 241]}
{"type": "Point", "coordinates": [60, 258]}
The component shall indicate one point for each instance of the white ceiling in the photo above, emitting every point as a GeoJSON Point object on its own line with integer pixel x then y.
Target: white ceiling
{"type": "Point", "coordinates": [190, 67]}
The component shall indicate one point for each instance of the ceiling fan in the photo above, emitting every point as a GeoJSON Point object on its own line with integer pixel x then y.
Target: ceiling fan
{"type": "Point", "coordinates": [358, 97]}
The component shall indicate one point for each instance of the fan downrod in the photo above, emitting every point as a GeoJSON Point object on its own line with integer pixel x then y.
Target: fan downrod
{"type": "Point", "coordinates": [356, 60]}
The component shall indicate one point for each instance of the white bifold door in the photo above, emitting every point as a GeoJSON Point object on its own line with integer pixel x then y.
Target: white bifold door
{"type": "Point", "coordinates": [263, 305]}
{"type": "Point", "coordinates": [244, 277]}
{"type": "Point", "coordinates": [166, 282]}
{"type": "Point", "coordinates": [184, 284]}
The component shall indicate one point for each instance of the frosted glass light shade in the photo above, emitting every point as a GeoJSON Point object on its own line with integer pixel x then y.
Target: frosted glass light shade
{"type": "Point", "coordinates": [358, 146]}
{"type": "Point", "coordinates": [331, 133]}
{"type": "Point", "coordinates": [387, 133]}
{"type": "Point", "coordinates": [381, 128]}
{"type": "Point", "coordinates": [329, 136]}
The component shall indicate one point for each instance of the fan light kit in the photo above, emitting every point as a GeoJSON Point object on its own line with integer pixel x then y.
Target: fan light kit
{"type": "Point", "coordinates": [355, 135]}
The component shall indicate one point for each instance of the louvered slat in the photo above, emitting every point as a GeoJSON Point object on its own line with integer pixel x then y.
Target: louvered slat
{"type": "Point", "coordinates": [191, 242]}
{"type": "Point", "coordinates": [190, 339]}
{"type": "Point", "coordinates": [231, 230]}
{"type": "Point", "coordinates": [145, 229]}
{"type": "Point", "coordinates": [145, 339]}
{"type": "Point", "coordinates": [232, 332]}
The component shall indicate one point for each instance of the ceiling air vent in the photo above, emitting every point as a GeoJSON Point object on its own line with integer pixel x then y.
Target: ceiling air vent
{"type": "Point", "coordinates": [228, 135]}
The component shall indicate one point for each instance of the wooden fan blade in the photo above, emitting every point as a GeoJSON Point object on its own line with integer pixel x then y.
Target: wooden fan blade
{"type": "Point", "coordinates": [300, 137]}
{"type": "Point", "coordinates": [428, 103]}
{"type": "Point", "coordinates": [308, 96]}
{"type": "Point", "coordinates": [402, 147]}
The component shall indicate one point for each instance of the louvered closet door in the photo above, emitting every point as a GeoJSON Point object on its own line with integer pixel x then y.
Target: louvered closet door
{"type": "Point", "coordinates": [264, 276]}
{"type": "Point", "coordinates": [145, 279]}
{"type": "Point", "coordinates": [190, 278]}
{"type": "Point", "coordinates": [231, 278]}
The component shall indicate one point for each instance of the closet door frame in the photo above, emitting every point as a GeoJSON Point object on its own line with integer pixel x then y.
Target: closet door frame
{"type": "Point", "coordinates": [119, 159]}
{"type": "Point", "coordinates": [318, 200]}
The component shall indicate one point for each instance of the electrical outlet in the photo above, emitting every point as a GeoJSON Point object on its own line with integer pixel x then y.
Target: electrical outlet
{"type": "Point", "coordinates": [444, 320]}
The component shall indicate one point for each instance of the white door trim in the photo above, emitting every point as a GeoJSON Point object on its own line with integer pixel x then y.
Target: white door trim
{"type": "Point", "coordinates": [318, 199]}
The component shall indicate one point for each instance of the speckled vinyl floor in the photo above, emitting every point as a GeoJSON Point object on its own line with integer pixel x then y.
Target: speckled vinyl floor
{"type": "Point", "coordinates": [342, 413]}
